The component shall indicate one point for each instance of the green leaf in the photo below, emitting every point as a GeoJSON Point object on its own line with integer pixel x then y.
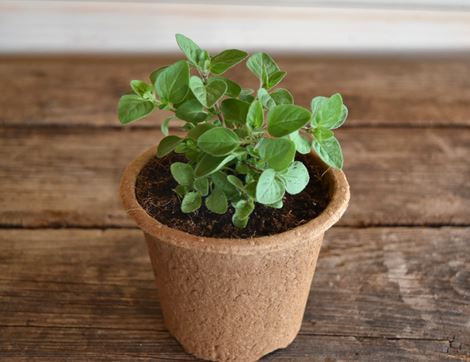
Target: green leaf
{"type": "Point", "coordinates": [301, 144]}
{"type": "Point", "coordinates": [234, 111]}
{"type": "Point", "coordinates": [342, 119]}
{"type": "Point", "coordinates": [246, 95]}
{"type": "Point", "coordinates": [189, 96]}
{"type": "Point", "coordinates": [191, 202]}
{"type": "Point", "coordinates": [239, 222]}
{"type": "Point", "coordinates": [181, 190]}
{"type": "Point", "coordinates": [331, 111]}
{"type": "Point", "coordinates": [197, 131]}
{"type": "Point", "coordinates": [329, 151]}
{"type": "Point", "coordinates": [269, 189]}
{"type": "Point", "coordinates": [235, 181]}
{"type": "Point", "coordinates": [277, 152]}
{"type": "Point", "coordinates": [275, 78]}
{"type": "Point", "coordinates": [218, 141]}
{"type": "Point", "coordinates": [233, 89]}
{"type": "Point", "coordinates": [255, 116]}
{"type": "Point", "coordinates": [220, 181]}
{"type": "Point", "coordinates": [182, 148]}
{"type": "Point", "coordinates": [154, 75]}
{"type": "Point", "coordinates": [328, 112]}
{"type": "Point", "coordinates": [216, 89]}
{"type": "Point", "coordinates": [286, 118]}
{"type": "Point", "coordinates": [165, 124]}
{"type": "Point", "coordinates": [262, 65]}
{"type": "Point", "coordinates": [322, 133]}
{"type": "Point", "coordinates": [242, 168]}
{"type": "Point", "coordinates": [183, 173]}
{"type": "Point", "coordinates": [316, 104]}
{"type": "Point", "coordinates": [242, 132]}
{"type": "Point", "coordinates": [217, 201]}
{"type": "Point", "coordinates": [198, 88]}
{"type": "Point", "coordinates": [296, 178]}
{"type": "Point", "coordinates": [193, 52]}
{"type": "Point", "coordinates": [226, 60]}
{"type": "Point", "coordinates": [131, 108]}
{"type": "Point", "coordinates": [243, 210]}
{"type": "Point", "coordinates": [250, 189]}
{"type": "Point", "coordinates": [265, 98]}
{"type": "Point", "coordinates": [192, 154]}
{"type": "Point", "coordinates": [191, 111]}
{"type": "Point", "coordinates": [167, 145]}
{"type": "Point", "coordinates": [208, 94]}
{"type": "Point", "coordinates": [282, 96]}
{"type": "Point", "coordinates": [141, 88]}
{"type": "Point", "coordinates": [172, 82]}
{"type": "Point", "coordinates": [202, 185]}
{"type": "Point", "coordinates": [209, 164]}
{"type": "Point", "coordinates": [277, 205]}
{"type": "Point", "coordinates": [204, 62]}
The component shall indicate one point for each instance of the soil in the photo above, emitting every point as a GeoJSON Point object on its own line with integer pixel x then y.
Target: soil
{"type": "Point", "coordinates": [154, 192]}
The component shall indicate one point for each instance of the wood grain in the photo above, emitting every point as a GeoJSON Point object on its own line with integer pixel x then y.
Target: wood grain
{"type": "Point", "coordinates": [379, 91]}
{"type": "Point", "coordinates": [70, 177]}
{"type": "Point", "coordinates": [378, 294]}
{"type": "Point", "coordinates": [392, 283]}
{"type": "Point", "coordinates": [77, 344]}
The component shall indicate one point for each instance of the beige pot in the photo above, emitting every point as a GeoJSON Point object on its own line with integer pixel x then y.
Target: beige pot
{"type": "Point", "coordinates": [233, 299]}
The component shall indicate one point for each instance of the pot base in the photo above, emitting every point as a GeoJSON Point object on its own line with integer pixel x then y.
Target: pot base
{"type": "Point", "coordinates": [233, 307]}
{"type": "Point", "coordinates": [216, 354]}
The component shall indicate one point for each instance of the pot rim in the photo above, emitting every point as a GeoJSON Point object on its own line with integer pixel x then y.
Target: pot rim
{"type": "Point", "coordinates": [339, 189]}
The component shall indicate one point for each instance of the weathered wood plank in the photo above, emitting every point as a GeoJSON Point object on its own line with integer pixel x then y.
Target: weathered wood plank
{"type": "Point", "coordinates": [378, 294]}
{"type": "Point", "coordinates": [59, 344]}
{"type": "Point", "coordinates": [378, 91]}
{"type": "Point", "coordinates": [65, 176]}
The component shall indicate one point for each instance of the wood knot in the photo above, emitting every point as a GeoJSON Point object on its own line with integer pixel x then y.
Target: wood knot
{"type": "Point", "coordinates": [461, 282]}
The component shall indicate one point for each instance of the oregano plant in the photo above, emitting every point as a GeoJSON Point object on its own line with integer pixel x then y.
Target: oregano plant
{"type": "Point", "coordinates": [240, 144]}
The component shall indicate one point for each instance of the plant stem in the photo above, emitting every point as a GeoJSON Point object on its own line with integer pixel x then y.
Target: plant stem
{"type": "Point", "coordinates": [220, 115]}
{"type": "Point", "coordinates": [216, 106]}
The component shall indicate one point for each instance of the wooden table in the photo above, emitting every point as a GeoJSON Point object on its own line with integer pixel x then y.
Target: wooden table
{"type": "Point", "coordinates": [393, 277]}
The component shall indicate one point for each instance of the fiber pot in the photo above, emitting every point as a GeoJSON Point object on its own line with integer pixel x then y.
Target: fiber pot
{"type": "Point", "coordinates": [233, 299]}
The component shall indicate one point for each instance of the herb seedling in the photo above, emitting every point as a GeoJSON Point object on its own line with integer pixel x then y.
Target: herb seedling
{"type": "Point", "coordinates": [240, 144]}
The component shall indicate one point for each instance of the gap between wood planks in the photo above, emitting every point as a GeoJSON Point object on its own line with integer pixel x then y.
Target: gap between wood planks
{"type": "Point", "coordinates": [303, 333]}
{"type": "Point", "coordinates": [390, 338]}
{"type": "Point", "coordinates": [70, 226]}
{"type": "Point", "coordinates": [138, 127]}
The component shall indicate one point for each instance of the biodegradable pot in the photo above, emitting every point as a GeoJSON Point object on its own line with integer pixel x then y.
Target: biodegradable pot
{"type": "Point", "coordinates": [233, 299]}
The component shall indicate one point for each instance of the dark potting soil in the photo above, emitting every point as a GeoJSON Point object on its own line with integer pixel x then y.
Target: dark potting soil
{"type": "Point", "coordinates": [154, 192]}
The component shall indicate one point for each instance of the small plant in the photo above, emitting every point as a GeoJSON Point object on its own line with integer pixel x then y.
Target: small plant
{"type": "Point", "coordinates": [240, 144]}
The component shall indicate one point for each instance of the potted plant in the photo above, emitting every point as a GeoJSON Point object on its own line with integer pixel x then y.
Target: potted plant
{"type": "Point", "coordinates": [233, 206]}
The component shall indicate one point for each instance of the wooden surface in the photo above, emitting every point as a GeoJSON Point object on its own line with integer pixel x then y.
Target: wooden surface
{"type": "Point", "coordinates": [413, 176]}
{"type": "Point", "coordinates": [393, 92]}
{"type": "Point", "coordinates": [393, 278]}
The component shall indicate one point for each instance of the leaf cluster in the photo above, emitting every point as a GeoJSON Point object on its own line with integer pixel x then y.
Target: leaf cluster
{"type": "Point", "coordinates": [240, 143]}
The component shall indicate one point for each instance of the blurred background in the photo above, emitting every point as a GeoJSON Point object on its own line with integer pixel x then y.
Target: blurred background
{"type": "Point", "coordinates": [300, 26]}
